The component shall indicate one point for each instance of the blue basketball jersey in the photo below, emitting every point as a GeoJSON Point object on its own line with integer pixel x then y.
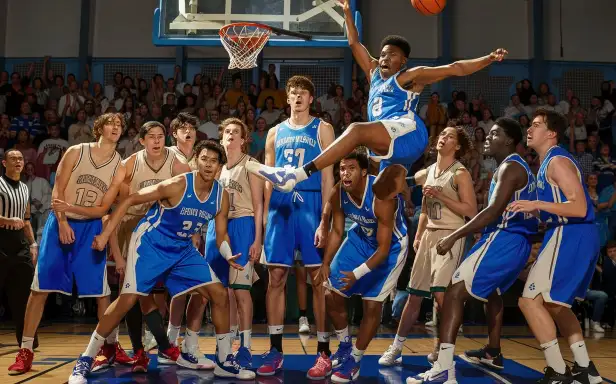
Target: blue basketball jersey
{"type": "Point", "coordinates": [364, 218]}
{"type": "Point", "coordinates": [297, 146]}
{"type": "Point", "coordinates": [388, 100]}
{"type": "Point", "coordinates": [189, 214]}
{"type": "Point", "coordinates": [551, 193]}
{"type": "Point", "coordinates": [523, 223]}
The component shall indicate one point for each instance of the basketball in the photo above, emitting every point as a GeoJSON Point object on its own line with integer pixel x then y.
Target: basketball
{"type": "Point", "coordinates": [429, 7]}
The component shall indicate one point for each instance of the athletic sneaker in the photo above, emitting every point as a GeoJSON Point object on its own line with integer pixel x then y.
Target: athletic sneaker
{"type": "Point", "coordinates": [346, 372]}
{"type": "Point", "coordinates": [169, 356]}
{"type": "Point", "coordinates": [304, 325]}
{"type": "Point", "coordinates": [230, 368]}
{"type": "Point", "coordinates": [244, 357]}
{"type": "Point", "coordinates": [81, 370]}
{"type": "Point", "coordinates": [141, 362]}
{"type": "Point", "coordinates": [149, 341]}
{"type": "Point", "coordinates": [436, 375]}
{"type": "Point", "coordinates": [121, 357]}
{"type": "Point", "coordinates": [272, 360]}
{"type": "Point", "coordinates": [105, 357]}
{"type": "Point", "coordinates": [552, 377]}
{"type": "Point", "coordinates": [393, 356]}
{"type": "Point", "coordinates": [192, 358]}
{"type": "Point", "coordinates": [321, 369]}
{"type": "Point", "coordinates": [596, 327]}
{"type": "Point", "coordinates": [283, 179]}
{"type": "Point", "coordinates": [23, 362]}
{"type": "Point", "coordinates": [591, 372]}
{"type": "Point", "coordinates": [481, 356]}
{"type": "Point", "coordinates": [344, 352]}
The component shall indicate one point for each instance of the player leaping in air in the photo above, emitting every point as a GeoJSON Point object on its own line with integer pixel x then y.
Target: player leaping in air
{"type": "Point", "coordinates": [394, 133]}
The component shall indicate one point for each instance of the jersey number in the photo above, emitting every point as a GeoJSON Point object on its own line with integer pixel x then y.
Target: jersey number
{"type": "Point", "coordinates": [186, 226]}
{"type": "Point", "coordinates": [299, 153]}
{"type": "Point", "coordinates": [377, 107]}
{"type": "Point", "coordinates": [434, 211]}
{"type": "Point", "coordinates": [368, 231]}
{"type": "Point", "coordinates": [85, 198]}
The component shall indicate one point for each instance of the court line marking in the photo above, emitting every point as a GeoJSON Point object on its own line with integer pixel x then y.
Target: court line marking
{"type": "Point", "coordinates": [484, 370]}
{"type": "Point", "coordinates": [9, 352]}
{"type": "Point", "coordinates": [45, 371]}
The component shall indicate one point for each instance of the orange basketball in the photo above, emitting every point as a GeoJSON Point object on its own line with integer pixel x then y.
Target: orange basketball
{"type": "Point", "coordinates": [429, 7]}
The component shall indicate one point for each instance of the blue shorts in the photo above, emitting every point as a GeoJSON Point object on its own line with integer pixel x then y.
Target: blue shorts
{"type": "Point", "coordinates": [409, 139]}
{"type": "Point", "coordinates": [565, 265]}
{"type": "Point", "coordinates": [292, 221]}
{"type": "Point", "coordinates": [153, 257]}
{"type": "Point", "coordinates": [378, 283]}
{"type": "Point", "coordinates": [60, 264]}
{"type": "Point", "coordinates": [241, 234]}
{"type": "Point", "coordinates": [493, 264]}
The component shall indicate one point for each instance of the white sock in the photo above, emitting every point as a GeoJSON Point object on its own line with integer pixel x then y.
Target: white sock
{"type": "Point", "coordinates": [191, 338]}
{"type": "Point", "coordinates": [553, 356]}
{"type": "Point", "coordinates": [275, 329]}
{"type": "Point", "coordinates": [322, 337]}
{"type": "Point", "coordinates": [343, 335]}
{"type": "Point", "coordinates": [172, 333]}
{"type": "Point", "coordinates": [580, 353]}
{"type": "Point", "coordinates": [399, 341]}
{"type": "Point", "coordinates": [234, 330]}
{"type": "Point", "coordinates": [27, 343]}
{"type": "Point", "coordinates": [223, 343]}
{"type": "Point", "coordinates": [357, 354]}
{"type": "Point", "coordinates": [113, 336]}
{"type": "Point", "coordinates": [300, 174]}
{"type": "Point", "coordinates": [445, 355]}
{"type": "Point", "coordinates": [245, 336]}
{"type": "Point", "coordinates": [96, 342]}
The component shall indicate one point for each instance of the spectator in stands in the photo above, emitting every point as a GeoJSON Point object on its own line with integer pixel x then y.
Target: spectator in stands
{"type": "Point", "coordinates": [593, 146]}
{"type": "Point", "coordinates": [130, 144]}
{"type": "Point", "coordinates": [170, 108]}
{"type": "Point", "coordinates": [551, 105]}
{"type": "Point", "coordinates": [127, 109]}
{"type": "Point", "coordinates": [112, 89]}
{"type": "Point", "coordinates": [474, 108]}
{"type": "Point", "coordinates": [332, 102]}
{"type": "Point", "coordinates": [33, 103]}
{"type": "Point", "coordinates": [99, 97]}
{"type": "Point", "coordinates": [50, 151]}
{"type": "Point", "coordinates": [584, 158]}
{"type": "Point", "coordinates": [233, 95]}
{"type": "Point", "coordinates": [526, 91]}
{"type": "Point", "coordinates": [5, 134]}
{"type": "Point", "coordinates": [604, 166]}
{"type": "Point", "coordinates": [542, 96]}
{"type": "Point", "coordinates": [608, 270]}
{"type": "Point", "coordinates": [15, 93]}
{"type": "Point", "coordinates": [575, 108]}
{"type": "Point", "coordinates": [578, 128]}
{"type": "Point", "coordinates": [565, 104]}
{"type": "Point", "coordinates": [80, 132]}
{"type": "Point", "coordinates": [24, 121]}
{"type": "Point", "coordinates": [515, 108]}
{"type": "Point", "coordinates": [436, 115]}
{"type": "Point", "coordinates": [270, 114]}
{"type": "Point", "coordinates": [24, 145]}
{"type": "Point", "coordinates": [40, 92]}
{"type": "Point", "coordinates": [459, 109]}
{"type": "Point", "coordinates": [40, 200]}
{"type": "Point", "coordinates": [210, 129]}
{"type": "Point", "coordinates": [487, 121]}
{"type": "Point", "coordinates": [240, 110]}
{"type": "Point", "coordinates": [250, 118]}
{"type": "Point", "coordinates": [259, 136]}
{"type": "Point", "coordinates": [356, 101]}
{"type": "Point", "coordinates": [142, 90]}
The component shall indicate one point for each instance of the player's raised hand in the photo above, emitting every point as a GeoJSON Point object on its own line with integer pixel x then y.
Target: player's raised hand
{"type": "Point", "coordinates": [60, 205]}
{"type": "Point", "coordinates": [345, 4]}
{"type": "Point", "coordinates": [445, 244]}
{"type": "Point", "coordinates": [100, 242]}
{"type": "Point", "coordinates": [232, 262]}
{"type": "Point", "coordinates": [348, 280]}
{"type": "Point", "coordinates": [499, 54]}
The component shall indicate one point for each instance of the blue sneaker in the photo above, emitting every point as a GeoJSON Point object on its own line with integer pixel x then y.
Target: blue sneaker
{"type": "Point", "coordinates": [344, 351]}
{"type": "Point", "coordinates": [81, 370]}
{"type": "Point", "coordinates": [272, 361]}
{"type": "Point", "coordinates": [230, 368]}
{"type": "Point", "coordinates": [283, 179]}
{"type": "Point", "coordinates": [346, 372]}
{"type": "Point", "coordinates": [436, 375]}
{"type": "Point", "coordinates": [244, 357]}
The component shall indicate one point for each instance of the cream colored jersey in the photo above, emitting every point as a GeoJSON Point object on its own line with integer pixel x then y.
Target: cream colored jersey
{"type": "Point", "coordinates": [182, 157]}
{"type": "Point", "coordinates": [143, 175]}
{"type": "Point", "coordinates": [89, 182]}
{"type": "Point", "coordinates": [439, 216]}
{"type": "Point", "coordinates": [235, 180]}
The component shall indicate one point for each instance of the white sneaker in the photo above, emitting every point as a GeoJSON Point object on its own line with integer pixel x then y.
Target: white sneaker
{"type": "Point", "coordinates": [596, 327]}
{"type": "Point", "coordinates": [435, 375]}
{"type": "Point", "coordinates": [192, 358]}
{"type": "Point", "coordinates": [431, 323]}
{"type": "Point", "coordinates": [149, 342]}
{"type": "Point", "coordinates": [304, 326]}
{"type": "Point", "coordinates": [393, 356]}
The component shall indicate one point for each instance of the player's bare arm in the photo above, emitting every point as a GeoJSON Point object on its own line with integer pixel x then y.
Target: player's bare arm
{"type": "Point", "coordinates": [360, 52]}
{"type": "Point", "coordinates": [326, 138]}
{"type": "Point", "coordinates": [320, 237]}
{"type": "Point", "coordinates": [421, 176]}
{"type": "Point", "coordinates": [467, 206]}
{"type": "Point", "coordinates": [511, 177]}
{"type": "Point", "coordinates": [421, 76]}
{"type": "Point", "coordinates": [180, 168]}
{"type": "Point", "coordinates": [256, 193]}
{"type": "Point", "coordinates": [270, 159]}
{"type": "Point", "coordinates": [29, 232]}
{"type": "Point", "coordinates": [63, 175]}
{"type": "Point", "coordinates": [421, 225]}
{"type": "Point", "coordinates": [335, 235]}
{"type": "Point", "coordinates": [222, 236]}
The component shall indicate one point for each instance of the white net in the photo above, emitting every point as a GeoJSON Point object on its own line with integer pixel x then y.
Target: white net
{"type": "Point", "coordinates": [244, 42]}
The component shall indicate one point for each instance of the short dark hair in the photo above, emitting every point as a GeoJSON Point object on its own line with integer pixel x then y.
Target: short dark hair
{"type": "Point", "coordinates": [360, 156]}
{"type": "Point", "coordinates": [610, 244]}
{"type": "Point", "coordinates": [147, 127]}
{"type": "Point", "coordinates": [397, 41]}
{"type": "Point", "coordinates": [301, 82]}
{"type": "Point", "coordinates": [554, 121]}
{"type": "Point", "coordinates": [511, 127]}
{"type": "Point", "coordinates": [6, 154]}
{"type": "Point", "coordinates": [213, 146]}
{"type": "Point", "coordinates": [181, 119]}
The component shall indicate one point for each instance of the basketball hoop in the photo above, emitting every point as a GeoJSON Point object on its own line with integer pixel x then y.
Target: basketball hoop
{"type": "Point", "coordinates": [244, 42]}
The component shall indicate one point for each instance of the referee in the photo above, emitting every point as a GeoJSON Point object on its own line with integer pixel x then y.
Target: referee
{"type": "Point", "coordinates": [19, 250]}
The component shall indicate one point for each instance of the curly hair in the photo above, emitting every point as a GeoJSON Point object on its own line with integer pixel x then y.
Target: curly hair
{"type": "Point", "coordinates": [300, 82]}
{"type": "Point", "coordinates": [182, 119]}
{"type": "Point", "coordinates": [464, 141]}
{"type": "Point", "coordinates": [245, 131]}
{"type": "Point", "coordinates": [105, 119]}
{"type": "Point", "coordinates": [213, 146]}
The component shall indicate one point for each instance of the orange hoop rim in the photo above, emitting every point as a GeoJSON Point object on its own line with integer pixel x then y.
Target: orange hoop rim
{"type": "Point", "coordinates": [224, 28]}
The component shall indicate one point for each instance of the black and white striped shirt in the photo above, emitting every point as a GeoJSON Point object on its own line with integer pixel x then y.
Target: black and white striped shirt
{"type": "Point", "coordinates": [14, 198]}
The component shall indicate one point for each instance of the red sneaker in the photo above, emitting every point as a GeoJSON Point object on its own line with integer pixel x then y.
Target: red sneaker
{"type": "Point", "coordinates": [140, 362]}
{"type": "Point", "coordinates": [169, 356]}
{"type": "Point", "coordinates": [121, 357]}
{"type": "Point", "coordinates": [321, 369]}
{"type": "Point", "coordinates": [23, 362]}
{"type": "Point", "coordinates": [105, 357]}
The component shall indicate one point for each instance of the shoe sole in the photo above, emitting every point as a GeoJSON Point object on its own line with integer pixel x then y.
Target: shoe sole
{"type": "Point", "coordinates": [398, 361]}
{"type": "Point", "coordinates": [137, 369]}
{"type": "Point", "coordinates": [17, 373]}
{"type": "Point", "coordinates": [318, 377]}
{"type": "Point", "coordinates": [484, 362]}
{"type": "Point", "coordinates": [336, 379]}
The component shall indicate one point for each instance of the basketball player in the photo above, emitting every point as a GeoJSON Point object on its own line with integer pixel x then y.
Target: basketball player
{"type": "Point", "coordinates": [568, 256]}
{"type": "Point", "coordinates": [292, 219]}
{"type": "Point", "coordinates": [449, 198]}
{"type": "Point", "coordinates": [245, 230]}
{"type": "Point", "coordinates": [394, 134]}
{"type": "Point", "coordinates": [495, 262]}
{"type": "Point", "coordinates": [184, 131]}
{"type": "Point", "coordinates": [147, 167]}
{"type": "Point", "coordinates": [161, 249]}
{"type": "Point", "coordinates": [368, 262]}
{"type": "Point", "coordinates": [89, 177]}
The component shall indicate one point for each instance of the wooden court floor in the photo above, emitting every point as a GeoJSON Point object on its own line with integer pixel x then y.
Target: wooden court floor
{"type": "Point", "coordinates": [61, 344]}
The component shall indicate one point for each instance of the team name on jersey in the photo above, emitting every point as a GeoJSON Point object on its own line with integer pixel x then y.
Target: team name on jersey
{"type": "Point", "coordinates": [360, 219]}
{"type": "Point", "coordinates": [147, 183]}
{"type": "Point", "coordinates": [296, 140]}
{"type": "Point", "coordinates": [385, 88]}
{"type": "Point", "coordinates": [200, 213]}
{"type": "Point", "coordinates": [232, 184]}
{"type": "Point", "coordinates": [533, 185]}
{"type": "Point", "coordinates": [540, 184]}
{"type": "Point", "coordinates": [94, 181]}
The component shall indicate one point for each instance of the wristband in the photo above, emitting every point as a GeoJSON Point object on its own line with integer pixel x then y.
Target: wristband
{"type": "Point", "coordinates": [225, 250]}
{"type": "Point", "coordinates": [361, 271]}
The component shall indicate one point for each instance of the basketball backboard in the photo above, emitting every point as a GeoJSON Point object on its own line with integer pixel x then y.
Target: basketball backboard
{"type": "Point", "coordinates": [197, 22]}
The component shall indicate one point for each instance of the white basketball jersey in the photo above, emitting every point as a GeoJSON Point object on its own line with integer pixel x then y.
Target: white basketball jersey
{"type": "Point", "coordinates": [235, 180]}
{"type": "Point", "coordinates": [182, 157]}
{"type": "Point", "coordinates": [143, 175]}
{"type": "Point", "coordinates": [439, 216]}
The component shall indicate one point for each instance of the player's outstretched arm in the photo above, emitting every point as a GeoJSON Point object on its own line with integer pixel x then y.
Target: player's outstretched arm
{"type": "Point", "coordinates": [337, 229]}
{"type": "Point", "coordinates": [563, 173]}
{"type": "Point", "coordinates": [222, 236]}
{"type": "Point", "coordinates": [360, 53]}
{"type": "Point", "coordinates": [429, 75]}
